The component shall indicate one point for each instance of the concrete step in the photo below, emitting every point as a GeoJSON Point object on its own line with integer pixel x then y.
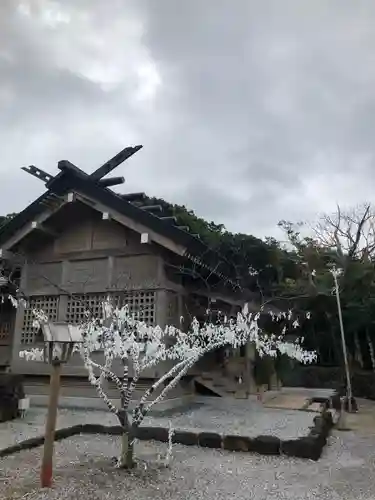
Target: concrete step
{"type": "Point", "coordinates": [222, 387]}
{"type": "Point", "coordinates": [241, 395]}
{"type": "Point", "coordinates": [227, 384]}
{"type": "Point", "coordinates": [209, 385]}
{"type": "Point", "coordinates": [209, 376]}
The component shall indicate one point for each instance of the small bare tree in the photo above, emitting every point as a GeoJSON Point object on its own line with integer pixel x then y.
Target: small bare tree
{"type": "Point", "coordinates": [350, 233]}
{"type": "Point", "coordinates": [139, 347]}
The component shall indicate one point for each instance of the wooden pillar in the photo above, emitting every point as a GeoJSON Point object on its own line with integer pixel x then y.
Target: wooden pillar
{"type": "Point", "coordinates": [15, 346]}
{"type": "Point", "coordinates": [65, 271]}
{"type": "Point", "coordinates": [49, 437]}
{"type": "Point", "coordinates": [161, 299]}
{"type": "Point", "coordinates": [161, 308]}
{"type": "Point", "coordinates": [63, 308]}
{"type": "Point", "coordinates": [18, 324]}
{"type": "Point", "coordinates": [110, 271]}
{"type": "Point", "coordinates": [161, 277]}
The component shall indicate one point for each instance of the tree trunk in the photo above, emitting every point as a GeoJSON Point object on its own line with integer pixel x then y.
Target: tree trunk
{"type": "Point", "coordinates": [250, 387]}
{"type": "Point", "coordinates": [127, 450]}
{"type": "Point", "coordinates": [127, 442]}
{"type": "Point", "coordinates": [371, 350]}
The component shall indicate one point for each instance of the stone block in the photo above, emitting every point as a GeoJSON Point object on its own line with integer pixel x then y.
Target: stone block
{"type": "Point", "coordinates": [112, 430]}
{"type": "Point", "coordinates": [323, 424]}
{"type": "Point", "coordinates": [309, 447]}
{"type": "Point", "coordinates": [186, 438]}
{"type": "Point", "coordinates": [265, 445]}
{"type": "Point", "coordinates": [209, 440]}
{"type": "Point", "coordinates": [236, 443]}
{"type": "Point", "coordinates": [152, 433]}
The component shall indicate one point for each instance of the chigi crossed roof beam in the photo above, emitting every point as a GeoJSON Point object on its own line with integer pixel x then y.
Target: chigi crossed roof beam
{"type": "Point", "coordinates": [136, 200]}
{"type": "Point", "coordinates": [99, 173]}
{"type": "Point", "coordinates": [114, 162]}
{"type": "Point", "coordinates": [102, 171]}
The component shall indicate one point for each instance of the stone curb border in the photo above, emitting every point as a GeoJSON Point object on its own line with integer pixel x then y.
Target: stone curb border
{"type": "Point", "coordinates": [309, 447]}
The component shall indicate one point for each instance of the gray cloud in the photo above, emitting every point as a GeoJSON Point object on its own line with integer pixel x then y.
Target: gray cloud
{"type": "Point", "coordinates": [249, 112]}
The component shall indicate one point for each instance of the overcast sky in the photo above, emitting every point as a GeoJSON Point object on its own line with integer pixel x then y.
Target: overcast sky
{"type": "Point", "coordinates": [250, 111]}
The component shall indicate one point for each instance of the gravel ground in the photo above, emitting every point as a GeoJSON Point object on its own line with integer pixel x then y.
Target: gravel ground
{"type": "Point", "coordinates": [240, 417]}
{"type": "Point", "coordinates": [83, 470]}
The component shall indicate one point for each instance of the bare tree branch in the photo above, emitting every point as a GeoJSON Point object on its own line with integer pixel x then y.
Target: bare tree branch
{"type": "Point", "coordinates": [350, 233]}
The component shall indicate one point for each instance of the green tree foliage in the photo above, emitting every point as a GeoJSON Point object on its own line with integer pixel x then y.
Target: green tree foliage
{"type": "Point", "coordinates": [346, 239]}
{"type": "Point", "coordinates": [245, 252]}
{"type": "Point", "coordinates": [6, 218]}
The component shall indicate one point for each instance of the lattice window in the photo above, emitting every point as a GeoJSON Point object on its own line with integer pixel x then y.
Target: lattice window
{"type": "Point", "coordinates": [79, 304]}
{"type": "Point", "coordinates": [49, 304]}
{"type": "Point", "coordinates": [142, 304]}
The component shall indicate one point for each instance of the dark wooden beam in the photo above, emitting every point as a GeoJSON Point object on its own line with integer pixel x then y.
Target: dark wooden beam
{"type": "Point", "coordinates": [113, 181]}
{"type": "Point", "coordinates": [68, 165]}
{"type": "Point", "coordinates": [114, 162]}
{"type": "Point", "coordinates": [134, 196]}
{"type": "Point", "coordinates": [169, 219]}
{"type": "Point", "coordinates": [152, 208]}
{"type": "Point", "coordinates": [38, 173]}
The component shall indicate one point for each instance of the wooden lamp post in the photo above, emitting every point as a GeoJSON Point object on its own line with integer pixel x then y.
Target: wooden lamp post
{"type": "Point", "coordinates": [59, 341]}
